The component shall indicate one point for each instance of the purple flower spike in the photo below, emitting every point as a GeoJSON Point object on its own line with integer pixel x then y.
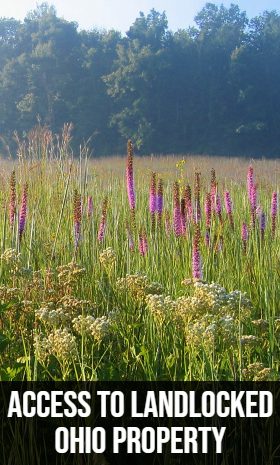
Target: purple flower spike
{"type": "Point", "coordinates": [102, 225]}
{"type": "Point", "coordinates": [160, 204]}
{"type": "Point", "coordinates": [253, 196]}
{"type": "Point", "coordinates": [196, 258]}
{"type": "Point", "coordinates": [153, 195]}
{"type": "Point", "coordinates": [12, 206]}
{"type": "Point", "coordinates": [183, 217]}
{"type": "Point", "coordinates": [207, 239]}
{"type": "Point", "coordinates": [219, 208]}
{"type": "Point", "coordinates": [130, 176]}
{"type": "Point", "coordinates": [208, 210]}
{"type": "Point", "coordinates": [77, 234]}
{"type": "Point", "coordinates": [244, 236]}
{"type": "Point", "coordinates": [77, 217]}
{"type": "Point", "coordinates": [143, 244]}
{"type": "Point", "coordinates": [274, 209]}
{"type": "Point", "coordinates": [228, 206]}
{"type": "Point", "coordinates": [228, 203]}
{"type": "Point", "coordinates": [153, 199]}
{"type": "Point", "coordinates": [188, 202]}
{"type": "Point", "coordinates": [250, 180]}
{"type": "Point", "coordinates": [160, 199]}
{"type": "Point", "coordinates": [197, 212]}
{"type": "Point", "coordinates": [253, 203]}
{"type": "Point", "coordinates": [177, 221]}
{"type": "Point", "coordinates": [262, 219]}
{"type": "Point", "coordinates": [213, 189]}
{"type": "Point", "coordinates": [196, 264]}
{"type": "Point", "coordinates": [23, 212]}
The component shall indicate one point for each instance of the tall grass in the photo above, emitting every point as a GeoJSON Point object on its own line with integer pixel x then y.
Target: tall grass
{"type": "Point", "coordinates": [64, 311]}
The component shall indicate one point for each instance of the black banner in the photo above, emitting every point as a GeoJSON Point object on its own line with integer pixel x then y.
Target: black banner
{"type": "Point", "coordinates": [157, 423]}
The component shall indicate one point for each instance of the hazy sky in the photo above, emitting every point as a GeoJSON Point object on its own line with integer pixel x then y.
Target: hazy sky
{"type": "Point", "coordinates": [120, 14]}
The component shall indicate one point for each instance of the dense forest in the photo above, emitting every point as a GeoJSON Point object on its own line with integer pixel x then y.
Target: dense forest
{"type": "Point", "coordinates": [211, 88]}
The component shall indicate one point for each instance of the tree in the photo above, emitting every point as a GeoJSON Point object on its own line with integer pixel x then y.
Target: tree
{"type": "Point", "coordinates": [94, 106]}
{"type": "Point", "coordinates": [134, 83]}
{"type": "Point", "coordinates": [220, 31]}
{"type": "Point", "coordinates": [210, 88]}
{"type": "Point", "coordinates": [256, 72]}
{"type": "Point", "coordinates": [151, 30]}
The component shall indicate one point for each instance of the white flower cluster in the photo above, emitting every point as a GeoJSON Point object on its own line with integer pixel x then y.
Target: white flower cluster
{"type": "Point", "coordinates": [53, 317]}
{"type": "Point", "coordinates": [108, 257]}
{"type": "Point", "coordinates": [210, 315]}
{"type": "Point", "coordinates": [41, 348]}
{"type": "Point", "coordinates": [62, 312]}
{"type": "Point", "coordinates": [98, 328]}
{"type": "Point", "coordinates": [12, 258]}
{"type": "Point", "coordinates": [82, 324]}
{"type": "Point", "coordinates": [139, 286]}
{"type": "Point", "coordinates": [60, 343]}
{"type": "Point", "coordinates": [249, 340]}
{"type": "Point", "coordinates": [9, 293]}
{"type": "Point", "coordinates": [258, 372]}
{"type": "Point", "coordinates": [160, 306]}
{"type": "Point", "coordinates": [214, 300]}
{"type": "Point", "coordinates": [69, 274]}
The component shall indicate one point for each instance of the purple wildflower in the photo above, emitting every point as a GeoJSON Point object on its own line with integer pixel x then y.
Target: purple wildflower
{"type": "Point", "coordinates": [208, 210]}
{"type": "Point", "coordinates": [130, 176]}
{"type": "Point", "coordinates": [197, 212]}
{"type": "Point", "coordinates": [177, 221]}
{"type": "Point", "coordinates": [196, 264]}
{"type": "Point", "coordinates": [160, 199]}
{"type": "Point", "coordinates": [102, 225]}
{"type": "Point", "coordinates": [228, 206]}
{"type": "Point", "coordinates": [262, 219]}
{"type": "Point", "coordinates": [253, 203]}
{"type": "Point", "coordinates": [12, 206]}
{"type": "Point", "coordinates": [196, 258]}
{"type": "Point", "coordinates": [23, 212]}
{"type": "Point", "coordinates": [213, 189]}
{"type": "Point", "coordinates": [183, 217]}
{"type": "Point", "coordinates": [244, 236]}
{"type": "Point", "coordinates": [274, 208]}
{"type": "Point", "coordinates": [250, 180]}
{"type": "Point", "coordinates": [143, 244]}
{"type": "Point", "coordinates": [188, 201]}
{"type": "Point", "coordinates": [77, 217]}
{"type": "Point", "coordinates": [153, 199]}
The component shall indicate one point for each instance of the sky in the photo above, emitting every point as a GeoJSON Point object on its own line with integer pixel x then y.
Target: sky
{"type": "Point", "coordinates": [120, 14]}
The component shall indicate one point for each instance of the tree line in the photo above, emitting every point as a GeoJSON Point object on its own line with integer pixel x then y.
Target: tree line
{"type": "Point", "coordinates": [211, 88]}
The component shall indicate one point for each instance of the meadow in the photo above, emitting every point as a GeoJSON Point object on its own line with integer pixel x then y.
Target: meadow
{"type": "Point", "coordinates": [137, 268]}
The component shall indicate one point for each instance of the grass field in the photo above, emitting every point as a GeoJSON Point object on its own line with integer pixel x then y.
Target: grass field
{"type": "Point", "coordinates": [179, 283]}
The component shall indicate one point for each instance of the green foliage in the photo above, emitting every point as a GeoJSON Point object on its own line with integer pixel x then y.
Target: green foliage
{"type": "Point", "coordinates": [211, 88]}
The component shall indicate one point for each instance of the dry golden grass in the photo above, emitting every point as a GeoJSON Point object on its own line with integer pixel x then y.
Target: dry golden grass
{"type": "Point", "coordinates": [227, 168]}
